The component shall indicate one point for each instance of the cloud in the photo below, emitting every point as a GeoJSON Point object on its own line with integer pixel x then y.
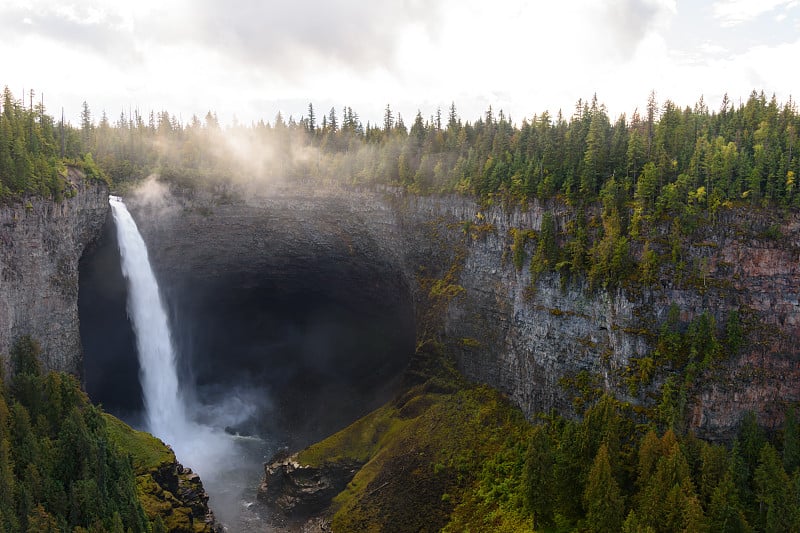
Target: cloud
{"type": "Point", "coordinates": [251, 59]}
{"type": "Point", "coordinates": [628, 22]}
{"type": "Point", "coordinates": [279, 38]}
{"type": "Point", "coordinates": [85, 25]}
{"type": "Point", "coordinates": [734, 12]}
{"type": "Point", "coordinates": [297, 34]}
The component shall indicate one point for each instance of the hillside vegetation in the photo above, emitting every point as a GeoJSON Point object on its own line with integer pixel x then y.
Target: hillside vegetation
{"type": "Point", "coordinates": [448, 456]}
{"type": "Point", "coordinates": [67, 466]}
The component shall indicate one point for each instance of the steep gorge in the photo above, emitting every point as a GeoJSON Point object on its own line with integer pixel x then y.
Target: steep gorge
{"type": "Point", "coordinates": [375, 250]}
{"type": "Point", "coordinates": [289, 308]}
{"type": "Point", "coordinates": [373, 257]}
{"type": "Point", "coordinates": [371, 248]}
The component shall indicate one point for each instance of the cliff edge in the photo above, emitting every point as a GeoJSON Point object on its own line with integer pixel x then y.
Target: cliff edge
{"type": "Point", "coordinates": [41, 242]}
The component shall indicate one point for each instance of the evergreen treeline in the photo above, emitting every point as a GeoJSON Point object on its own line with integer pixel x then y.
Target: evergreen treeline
{"type": "Point", "coordinates": [669, 155]}
{"type": "Point", "coordinates": [604, 474]}
{"type": "Point", "coordinates": [35, 151]}
{"type": "Point", "coordinates": [668, 158]}
{"type": "Point", "coordinates": [639, 188]}
{"type": "Point", "coordinates": [59, 470]}
{"type": "Point", "coordinates": [29, 153]}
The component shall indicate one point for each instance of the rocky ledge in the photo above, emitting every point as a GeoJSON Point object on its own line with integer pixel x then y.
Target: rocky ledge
{"type": "Point", "coordinates": [181, 500]}
{"type": "Point", "coordinates": [299, 491]}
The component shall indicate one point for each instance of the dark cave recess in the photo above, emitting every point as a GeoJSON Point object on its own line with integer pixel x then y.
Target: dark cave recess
{"type": "Point", "coordinates": [304, 329]}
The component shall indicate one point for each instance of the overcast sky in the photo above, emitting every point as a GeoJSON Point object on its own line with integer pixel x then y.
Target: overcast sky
{"type": "Point", "coordinates": [522, 56]}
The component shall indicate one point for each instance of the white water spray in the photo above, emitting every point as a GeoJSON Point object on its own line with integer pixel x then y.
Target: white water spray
{"type": "Point", "coordinates": [197, 446]}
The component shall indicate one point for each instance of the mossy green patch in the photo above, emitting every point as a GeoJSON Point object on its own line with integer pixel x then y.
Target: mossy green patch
{"type": "Point", "coordinates": [423, 457]}
{"type": "Point", "coordinates": [145, 450]}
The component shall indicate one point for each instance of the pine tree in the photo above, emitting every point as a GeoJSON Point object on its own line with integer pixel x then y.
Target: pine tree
{"type": "Point", "coordinates": [388, 120]}
{"type": "Point", "coordinates": [539, 480]}
{"type": "Point", "coordinates": [86, 126]}
{"type": "Point", "coordinates": [751, 440]}
{"type": "Point", "coordinates": [604, 502]}
{"type": "Point", "coordinates": [632, 525]}
{"type": "Point", "coordinates": [596, 155]}
{"type": "Point", "coordinates": [546, 255]}
{"type": "Point", "coordinates": [713, 468]}
{"type": "Point", "coordinates": [333, 123]}
{"type": "Point", "coordinates": [312, 119]}
{"type": "Point", "coordinates": [635, 154]}
{"type": "Point", "coordinates": [775, 493]}
{"type": "Point", "coordinates": [650, 452]}
{"type": "Point", "coordinates": [791, 441]}
{"type": "Point", "coordinates": [7, 482]}
{"type": "Point", "coordinates": [694, 519]}
{"type": "Point", "coordinates": [724, 510]}
{"type": "Point", "coordinates": [646, 188]}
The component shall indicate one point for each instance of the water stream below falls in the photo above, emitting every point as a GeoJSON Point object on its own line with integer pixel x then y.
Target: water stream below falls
{"type": "Point", "coordinates": [228, 465]}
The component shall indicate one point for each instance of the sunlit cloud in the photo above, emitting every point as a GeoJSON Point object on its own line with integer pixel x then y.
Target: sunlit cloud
{"type": "Point", "coordinates": [261, 57]}
{"type": "Point", "coordinates": [733, 12]}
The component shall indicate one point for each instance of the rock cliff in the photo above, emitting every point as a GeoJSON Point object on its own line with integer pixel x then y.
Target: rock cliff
{"type": "Point", "coordinates": [523, 340]}
{"type": "Point", "coordinates": [290, 296]}
{"type": "Point", "coordinates": [41, 242]}
{"type": "Point", "coordinates": [302, 490]}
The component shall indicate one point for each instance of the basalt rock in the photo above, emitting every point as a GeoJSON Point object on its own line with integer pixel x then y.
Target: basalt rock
{"type": "Point", "coordinates": [176, 495]}
{"type": "Point", "coordinates": [524, 338]}
{"type": "Point", "coordinates": [299, 491]}
{"type": "Point", "coordinates": [41, 241]}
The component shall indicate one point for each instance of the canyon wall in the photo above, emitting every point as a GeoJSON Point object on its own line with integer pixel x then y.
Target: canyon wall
{"type": "Point", "coordinates": [369, 247]}
{"type": "Point", "coordinates": [289, 298]}
{"type": "Point", "coordinates": [41, 242]}
{"type": "Point", "coordinates": [523, 339]}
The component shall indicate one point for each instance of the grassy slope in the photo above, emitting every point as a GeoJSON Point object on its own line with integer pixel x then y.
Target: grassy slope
{"type": "Point", "coordinates": [443, 455]}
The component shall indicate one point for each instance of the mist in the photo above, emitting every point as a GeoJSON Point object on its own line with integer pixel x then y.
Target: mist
{"type": "Point", "coordinates": [319, 153]}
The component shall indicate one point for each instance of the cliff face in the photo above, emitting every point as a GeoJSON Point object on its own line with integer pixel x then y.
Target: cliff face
{"type": "Point", "coordinates": [376, 247]}
{"type": "Point", "coordinates": [522, 340]}
{"type": "Point", "coordinates": [41, 242]}
{"type": "Point", "coordinates": [525, 340]}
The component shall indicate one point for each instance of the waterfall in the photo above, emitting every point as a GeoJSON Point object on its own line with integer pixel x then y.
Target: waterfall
{"type": "Point", "coordinates": [164, 408]}
{"type": "Point", "coordinates": [226, 464]}
{"type": "Point", "coordinates": [197, 446]}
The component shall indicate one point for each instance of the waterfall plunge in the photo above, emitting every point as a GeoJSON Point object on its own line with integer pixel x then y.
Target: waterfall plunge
{"type": "Point", "coordinates": [200, 447]}
{"type": "Point", "coordinates": [164, 406]}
